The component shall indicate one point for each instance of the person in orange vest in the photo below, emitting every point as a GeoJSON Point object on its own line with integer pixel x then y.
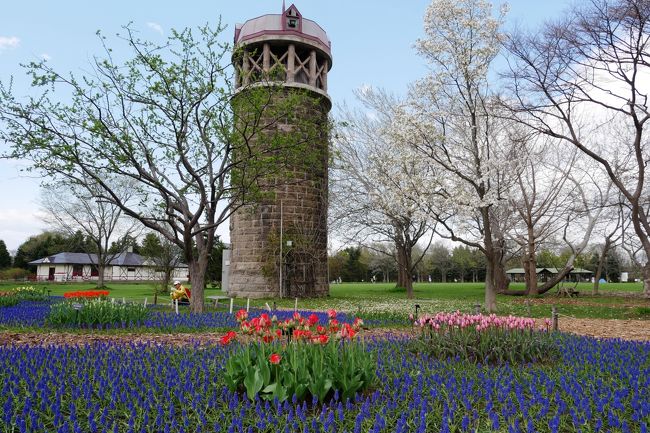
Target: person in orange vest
{"type": "Point", "coordinates": [180, 292]}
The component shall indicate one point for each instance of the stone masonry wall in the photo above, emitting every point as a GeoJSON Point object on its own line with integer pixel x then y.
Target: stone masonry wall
{"type": "Point", "coordinates": [255, 232]}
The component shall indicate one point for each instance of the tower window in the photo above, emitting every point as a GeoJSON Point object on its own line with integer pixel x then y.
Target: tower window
{"type": "Point", "coordinates": [293, 23]}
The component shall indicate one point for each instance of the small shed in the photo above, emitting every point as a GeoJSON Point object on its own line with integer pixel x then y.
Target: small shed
{"type": "Point", "coordinates": [544, 274]}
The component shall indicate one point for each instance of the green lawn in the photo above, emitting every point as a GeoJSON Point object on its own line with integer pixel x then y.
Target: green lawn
{"type": "Point", "coordinates": [616, 300]}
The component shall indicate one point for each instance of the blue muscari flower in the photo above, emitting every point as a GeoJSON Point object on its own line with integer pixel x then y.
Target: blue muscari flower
{"type": "Point", "coordinates": [465, 423]}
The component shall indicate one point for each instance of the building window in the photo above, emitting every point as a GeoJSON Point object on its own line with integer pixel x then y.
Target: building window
{"type": "Point", "coordinates": [293, 23]}
{"type": "Point", "coordinates": [130, 269]}
{"type": "Point", "coordinates": [77, 270]}
{"type": "Point", "coordinates": [94, 271]}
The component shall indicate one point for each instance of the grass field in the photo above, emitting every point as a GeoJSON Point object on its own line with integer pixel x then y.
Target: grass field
{"type": "Point", "coordinates": [616, 300]}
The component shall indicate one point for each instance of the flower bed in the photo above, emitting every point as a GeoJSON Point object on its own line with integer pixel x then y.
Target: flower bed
{"type": "Point", "coordinates": [596, 386]}
{"type": "Point", "coordinates": [25, 314]}
{"type": "Point", "coordinates": [486, 339]}
{"type": "Point", "coordinates": [93, 312]}
{"type": "Point", "coordinates": [28, 293]}
{"type": "Point", "coordinates": [165, 320]}
{"type": "Point", "coordinates": [86, 294]}
{"type": "Point", "coordinates": [298, 358]}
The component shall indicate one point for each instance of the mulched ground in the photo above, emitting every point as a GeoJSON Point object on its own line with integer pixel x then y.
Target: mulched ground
{"type": "Point", "coordinates": [638, 330]}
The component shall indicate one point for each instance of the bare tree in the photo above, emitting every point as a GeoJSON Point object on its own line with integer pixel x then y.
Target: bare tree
{"type": "Point", "coordinates": [584, 80]}
{"type": "Point", "coordinates": [72, 208]}
{"type": "Point", "coordinates": [540, 200]}
{"type": "Point", "coordinates": [612, 234]}
{"type": "Point", "coordinates": [382, 260]}
{"type": "Point", "coordinates": [165, 256]}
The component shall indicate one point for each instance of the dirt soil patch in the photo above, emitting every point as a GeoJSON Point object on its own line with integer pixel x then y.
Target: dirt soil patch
{"type": "Point", "coordinates": [638, 330]}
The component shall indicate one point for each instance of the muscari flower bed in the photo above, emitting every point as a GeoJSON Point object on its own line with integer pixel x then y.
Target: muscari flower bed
{"type": "Point", "coordinates": [597, 386]}
{"type": "Point", "coordinates": [34, 314]}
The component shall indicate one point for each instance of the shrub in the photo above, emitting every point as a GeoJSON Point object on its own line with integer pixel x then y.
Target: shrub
{"type": "Point", "coordinates": [485, 339]}
{"type": "Point", "coordinates": [95, 313]}
{"type": "Point", "coordinates": [14, 274]}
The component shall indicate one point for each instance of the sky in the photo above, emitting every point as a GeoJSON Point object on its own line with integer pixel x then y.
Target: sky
{"type": "Point", "coordinates": [372, 45]}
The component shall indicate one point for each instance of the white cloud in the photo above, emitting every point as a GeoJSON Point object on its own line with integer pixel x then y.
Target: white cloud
{"type": "Point", "coordinates": [18, 224]}
{"type": "Point", "coordinates": [9, 42]}
{"type": "Point", "coordinates": [155, 27]}
{"type": "Point", "coordinates": [46, 57]}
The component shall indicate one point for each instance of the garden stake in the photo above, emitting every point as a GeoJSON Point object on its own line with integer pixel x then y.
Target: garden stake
{"type": "Point", "coordinates": [554, 317]}
{"type": "Point", "coordinates": [231, 302]}
{"type": "Point", "coordinates": [248, 304]}
{"type": "Point", "coordinates": [145, 302]}
{"type": "Point", "coordinates": [295, 307]}
{"type": "Point", "coordinates": [176, 305]}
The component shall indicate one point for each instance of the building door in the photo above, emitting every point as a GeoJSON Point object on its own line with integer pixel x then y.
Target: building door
{"type": "Point", "coordinates": [51, 274]}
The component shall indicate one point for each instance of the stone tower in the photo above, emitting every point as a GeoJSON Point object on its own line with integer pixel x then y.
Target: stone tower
{"type": "Point", "coordinates": [279, 246]}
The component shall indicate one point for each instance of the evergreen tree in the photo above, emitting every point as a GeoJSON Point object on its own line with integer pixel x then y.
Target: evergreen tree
{"type": "Point", "coordinates": [5, 258]}
{"type": "Point", "coordinates": [39, 246]}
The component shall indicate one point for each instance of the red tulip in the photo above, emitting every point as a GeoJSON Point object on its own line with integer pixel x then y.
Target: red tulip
{"type": "Point", "coordinates": [275, 359]}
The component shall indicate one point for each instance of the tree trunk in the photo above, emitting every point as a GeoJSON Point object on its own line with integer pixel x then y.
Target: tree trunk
{"type": "Point", "coordinates": [496, 280]}
{"type": "Point", "coordinates": [100, 276]}
{"type": "Point", "coordinates": [491, 286]}
{"type": "Point", "coordinates": [530, 265]}
{"type": "Point", "coordinates": [197, 280]}
{"type": "Point", "coordinates": [646, 280]}
{"type": "Point", "coordinates": [561, 275]}
{"type": "Point", "coordinates": [403, 269]}
{"type": "Point", "coordinates": [443, 275]}
{"type": "Point", "coordinates": [599, 269]}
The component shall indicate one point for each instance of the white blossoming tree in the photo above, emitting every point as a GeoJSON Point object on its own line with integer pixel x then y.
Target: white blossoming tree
{"type": "Point", "coordinates": [449, 123]}
{"type": "Point", "coordinates": [371, 184]}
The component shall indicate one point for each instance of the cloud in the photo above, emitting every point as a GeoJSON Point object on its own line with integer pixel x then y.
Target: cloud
{"type": "Point", "coordinates": [9, 42]}
{"type": "Point", "coordinates": [46, 57]}
{"type": "Point", "coordinates": [155, 27]}
{"type": "Point", "coordinates": [18, 224]}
